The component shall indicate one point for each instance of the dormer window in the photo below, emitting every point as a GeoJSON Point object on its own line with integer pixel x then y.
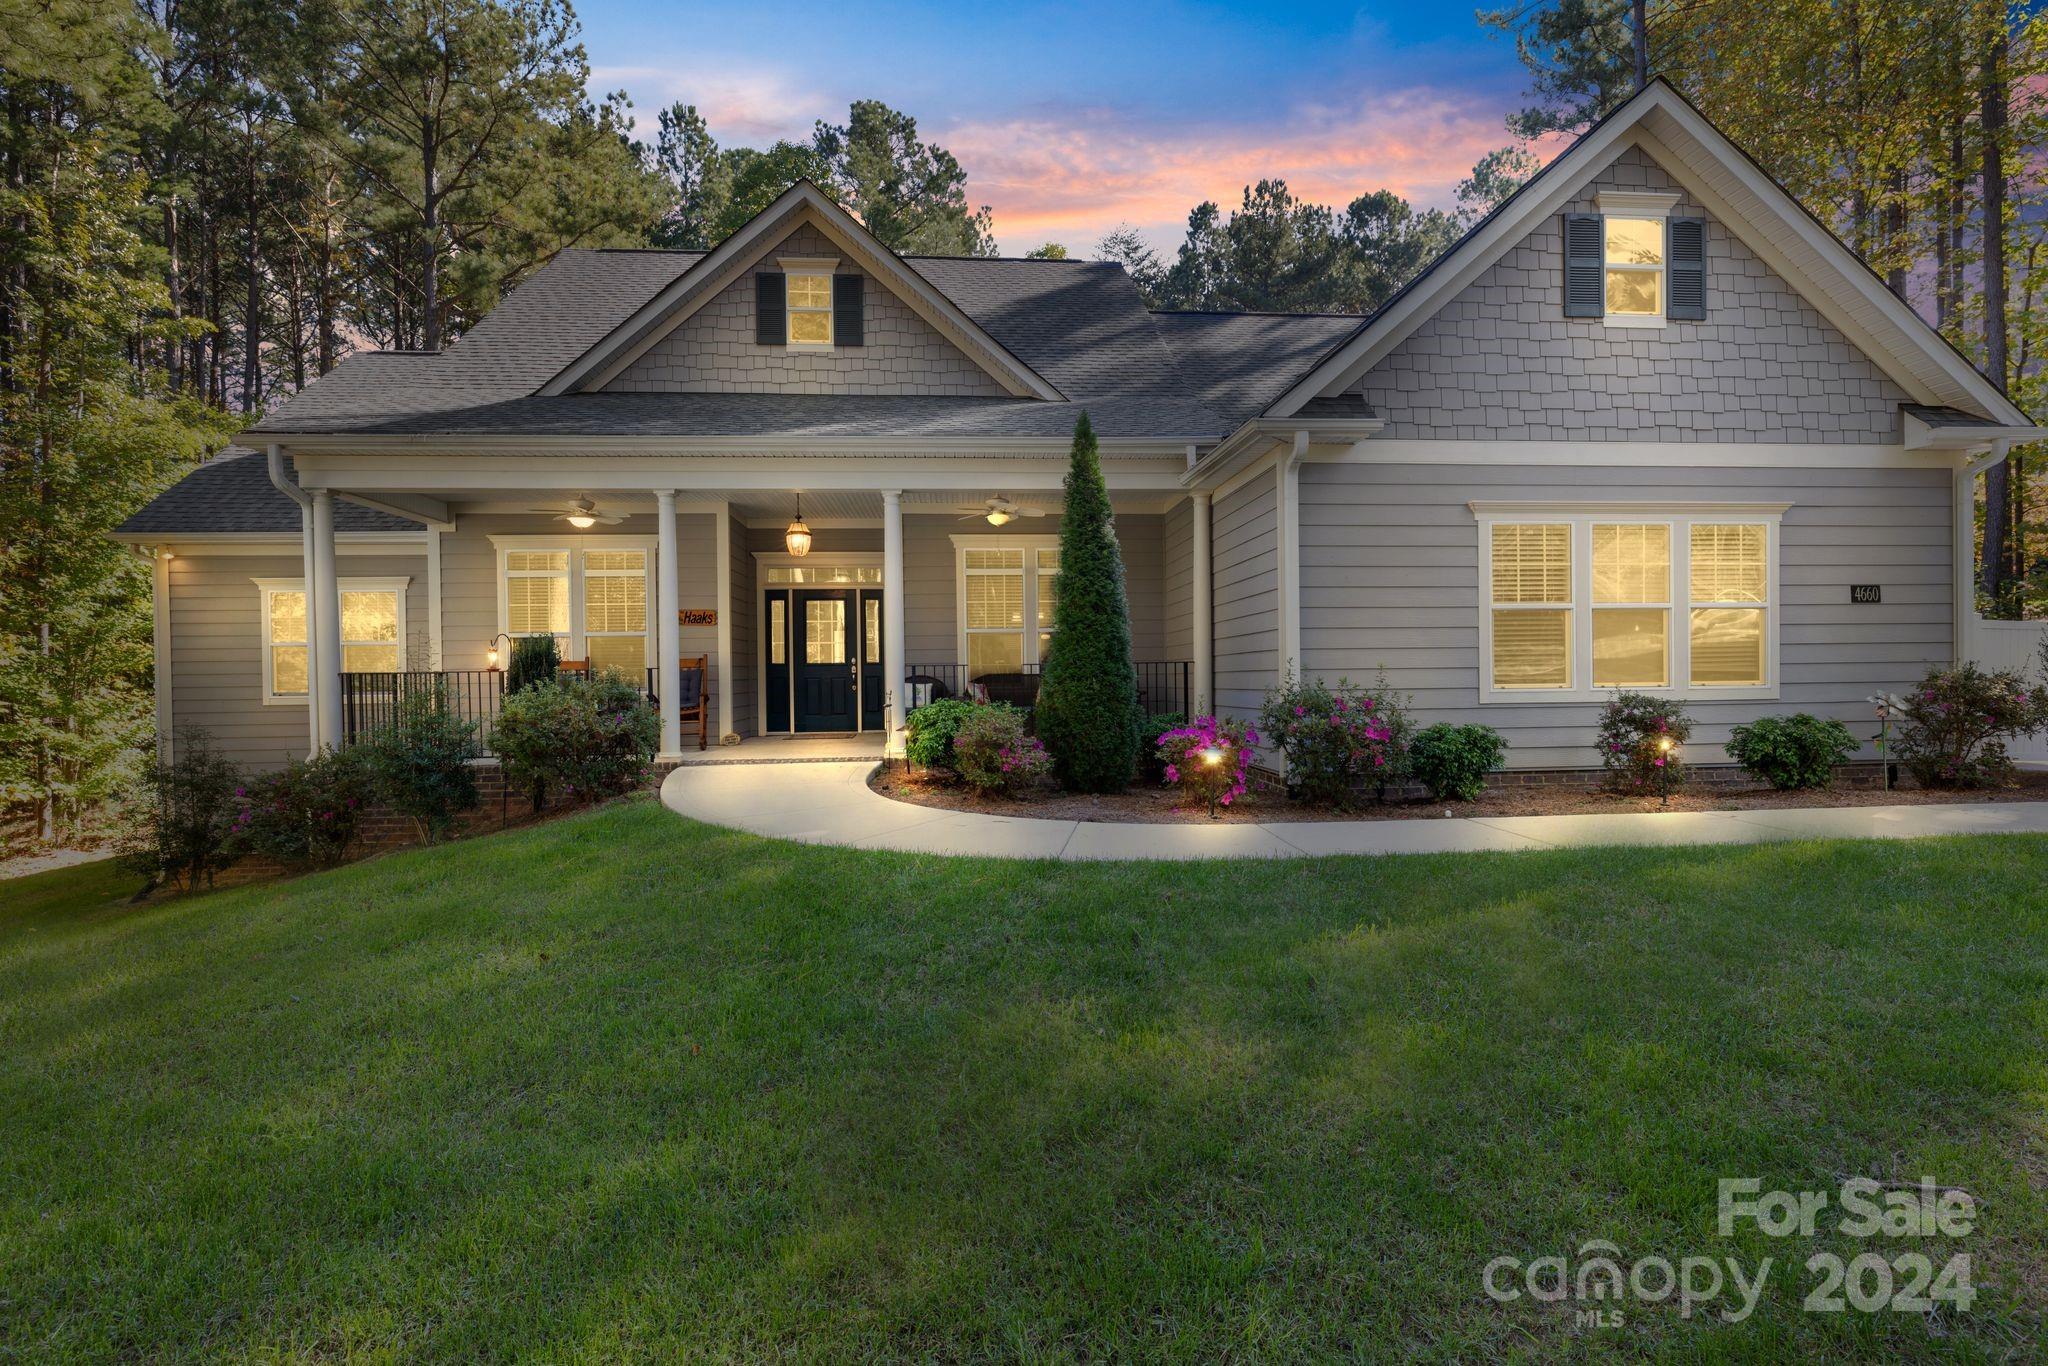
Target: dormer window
{"type": "Point", "coordinates": [1635, 267]}
{"type": "Point", "coordinates": [807, 305]}
{"type": "Point", "coordinates": [810, 308]}
{"type": "Point", "coordinates": [1634, 264]}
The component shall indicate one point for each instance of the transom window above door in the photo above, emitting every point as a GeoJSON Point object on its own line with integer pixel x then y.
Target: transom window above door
{"type": "Point", "coordinates": [1008, 589]}
{"type": "Point", "coordinates": [1580, 604]}
{"type": "Point", "coordinates": [591, 593]}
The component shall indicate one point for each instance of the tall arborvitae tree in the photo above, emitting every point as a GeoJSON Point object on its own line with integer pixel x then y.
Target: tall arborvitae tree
{"type": "Point", "coordinates": [1087, 711]}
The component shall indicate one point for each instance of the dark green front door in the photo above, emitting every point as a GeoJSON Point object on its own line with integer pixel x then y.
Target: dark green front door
{"type": "Point", "coordinates": [824, 624]}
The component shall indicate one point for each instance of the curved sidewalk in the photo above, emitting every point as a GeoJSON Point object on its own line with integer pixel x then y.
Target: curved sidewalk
{"type": "Point", "coordinates": [831, 803]}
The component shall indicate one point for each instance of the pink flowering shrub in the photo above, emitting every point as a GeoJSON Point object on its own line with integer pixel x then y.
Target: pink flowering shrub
{"type": "Point", "coordinates": [304, 815]}
{"type": "Point", "coordinates": [994, 755]}
{"type": "Point", "coordinates": [1209, 760]}
{"type": "Point", "coordinates": [1642, 744]}
{"type": "Point", "coordinates": [1957, 721]}
{"type": "Point", "coordinates": [1338, 738]}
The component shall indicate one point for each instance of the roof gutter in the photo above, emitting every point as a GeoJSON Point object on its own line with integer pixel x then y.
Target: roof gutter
{"type": "Point", "coordinates": [285, 486]}
{"type": "Point", "coordinates": [378, 443]}
{"type": "Point", "coordinates": [1251, 440]}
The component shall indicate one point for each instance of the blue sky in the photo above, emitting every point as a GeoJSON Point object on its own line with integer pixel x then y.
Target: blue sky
{"type": "Point", "coordinates": [1073, 118]}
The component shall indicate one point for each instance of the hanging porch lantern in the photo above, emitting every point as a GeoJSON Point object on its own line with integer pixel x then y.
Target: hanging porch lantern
{"type": "Point", "coordinates": [798, 537]}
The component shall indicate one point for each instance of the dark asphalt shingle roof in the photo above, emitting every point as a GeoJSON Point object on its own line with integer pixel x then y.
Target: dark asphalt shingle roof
{"type": "Point", "coordinates": [1945, 417]}
{"type": "Point", "coordinates": [1080, 324]}
{"type": "Point", "coordinates": [232, 493]}
{"type": "Point", "coordinates": [1238, 363]}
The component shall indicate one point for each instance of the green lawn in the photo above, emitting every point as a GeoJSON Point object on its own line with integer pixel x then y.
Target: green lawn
{"type": "Point", "coordinates": [622, 1084]}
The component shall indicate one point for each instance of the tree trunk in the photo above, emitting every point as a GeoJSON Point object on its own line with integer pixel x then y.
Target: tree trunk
{"type": "Point", "coordinates": [1997, 479]}
{"type": "Point", "coordinates": [1639, 25]}
{"type": "Point", "coordinates": [430, 278]}
{"type": "Point", "coordinates": [252, 285]}
{"type": "Point", "coordinates": [174, 283]}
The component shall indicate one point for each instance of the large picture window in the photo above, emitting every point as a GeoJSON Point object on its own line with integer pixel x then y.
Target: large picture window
{"type": "Point", "coordinates": [591, 593]}
{"type": "Point", "coordinates": [372, 632]}
{"type": "Point", "coordinates": [1008, 586]}
{"type": "Point", "coordinates": [1583, 603]}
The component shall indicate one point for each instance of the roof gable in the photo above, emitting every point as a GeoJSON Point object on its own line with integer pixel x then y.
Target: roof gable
{"type": "Point", "coordinates": [1747, 203]}
{"type": "Point", "coordinates": [802, 204]}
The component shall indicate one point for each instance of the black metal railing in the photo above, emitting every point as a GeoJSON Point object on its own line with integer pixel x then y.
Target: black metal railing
{"type": "Point", "coordinates": [373, 702]}
{"type": "Point", "coordinates": [1164, 685]}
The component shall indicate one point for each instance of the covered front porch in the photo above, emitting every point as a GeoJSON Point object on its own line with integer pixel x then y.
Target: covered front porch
{"type": "Point", "coordinates": [899, 596]}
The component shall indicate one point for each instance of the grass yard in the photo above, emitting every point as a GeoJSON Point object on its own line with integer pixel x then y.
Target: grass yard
{"type": "Point", "coordinates": [624, 1085]}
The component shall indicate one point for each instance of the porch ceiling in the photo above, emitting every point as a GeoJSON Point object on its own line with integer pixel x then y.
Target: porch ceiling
{"type": "Point", "coordinates": [779, 505]}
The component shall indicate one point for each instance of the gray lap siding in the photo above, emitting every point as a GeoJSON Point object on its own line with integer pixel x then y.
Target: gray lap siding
{"type": "Point", "coordinates": [1390, 578]}
{"type": "Point", "coordinates": [1245, 569]}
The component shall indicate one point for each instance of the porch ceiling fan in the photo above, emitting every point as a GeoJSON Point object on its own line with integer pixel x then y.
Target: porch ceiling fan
{"type": "Point", "coordinates": [998, 511]}
{"type": "Point", "coordinates": [580, 514]}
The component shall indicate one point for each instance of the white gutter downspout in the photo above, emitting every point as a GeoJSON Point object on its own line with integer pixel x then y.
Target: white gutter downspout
{"type": "Point", "coordinates": [1289, 467]}
{"type": "Point", "coordinates": [305, 502]}
{"type": "Point", "coordinates": [1963, 538]}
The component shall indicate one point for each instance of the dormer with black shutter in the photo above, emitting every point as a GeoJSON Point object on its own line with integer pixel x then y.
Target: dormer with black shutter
{"type": "Point", "coordinates": [808, 304]}
{"type": "Point", "coordinates": [1634, 264]}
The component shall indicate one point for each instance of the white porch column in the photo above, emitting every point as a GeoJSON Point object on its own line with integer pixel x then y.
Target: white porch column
{"type": "Point", "coordinates": [325, 603]}
{"type": "Point", "coordinates": [1203, 595]}
{"type": "Point", "coordinates": [668, 630]}
{"type": "Point", "coordinates": [312, 633]}
{"type": "Point", "coordinates": [892, 619]}
{"type": "Point", "coordinates": [722, 576]}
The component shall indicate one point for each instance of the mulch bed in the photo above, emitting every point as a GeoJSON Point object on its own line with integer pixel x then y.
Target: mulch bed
{"type": "Point", "coordinates": [1159, 804]}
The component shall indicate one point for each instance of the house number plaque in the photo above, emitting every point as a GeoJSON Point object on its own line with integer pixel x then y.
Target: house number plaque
{"type": "Point", "coordinates": [1866, 592]}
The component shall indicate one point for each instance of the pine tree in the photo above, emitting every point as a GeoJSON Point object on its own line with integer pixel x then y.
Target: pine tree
{"type": "Point", "coordinates": [1087, 713]}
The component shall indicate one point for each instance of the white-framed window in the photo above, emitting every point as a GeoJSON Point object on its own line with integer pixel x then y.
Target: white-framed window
{"type": "Point", "coordinates": [592, 593]}
{"type": "Point", "coordinates": [372, 632]}
{"type": "Point", "coordinates": [1578, 603]}
{"type": "Point", "coordinates": [808, 301]}
{"type": "Point", "coordinates": [1635, 246]}
{"type": "Point", "coordinates": [1007, 591]}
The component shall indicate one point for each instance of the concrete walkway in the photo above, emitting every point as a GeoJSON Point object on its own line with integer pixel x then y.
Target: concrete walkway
{"type": "Point", "coordinates": [831, 803]}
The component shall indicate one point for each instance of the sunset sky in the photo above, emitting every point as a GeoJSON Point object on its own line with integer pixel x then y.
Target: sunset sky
{"type": "Point", "coordinates": [1073, 118]}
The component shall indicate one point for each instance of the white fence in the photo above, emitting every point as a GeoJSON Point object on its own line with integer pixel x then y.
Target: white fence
{"type": "Point", "coordinates": [2014, 645]}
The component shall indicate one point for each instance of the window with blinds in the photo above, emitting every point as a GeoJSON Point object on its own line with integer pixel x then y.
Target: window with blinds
{"type": "Point", "coordinates": [536, 592]}
{"type": "Point", "coordinates": [1730, 596]}
{"type": "Point", "coordinates": [1631, 605]}
{"type": "Point", "coordinates": [1532, 605]}
{"type": "Point", "coordinates": [615, 611]}
{"type": "Point", "coordinates": [592, 596]}
{"type": "Point", "coordinates": [1583, 605]}
{"type": "Point", "coordinates": [372, 639]}
{"type": "Point", "coordinates": [1007, 596]}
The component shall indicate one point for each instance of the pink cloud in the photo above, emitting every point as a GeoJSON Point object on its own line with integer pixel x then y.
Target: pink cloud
{"type": "Point", "coordinates": [1073, 176]}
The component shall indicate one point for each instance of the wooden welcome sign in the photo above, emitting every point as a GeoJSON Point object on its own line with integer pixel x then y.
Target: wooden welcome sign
{"type": "Point", "coordinates": [699, 616]}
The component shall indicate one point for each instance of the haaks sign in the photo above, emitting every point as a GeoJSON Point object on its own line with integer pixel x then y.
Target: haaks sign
{"type": "Point", "coordinates": [699, 616]}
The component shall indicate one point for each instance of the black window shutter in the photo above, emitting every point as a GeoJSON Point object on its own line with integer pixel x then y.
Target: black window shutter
{"type": "Point", "coordinates": [1585, 266]}
{"type": "Point", "coordinates": [1687, 241]}
{"type": "Point", "coordinates": [849, 312]}
{"type": "Point", "coordinates": [771, 302]}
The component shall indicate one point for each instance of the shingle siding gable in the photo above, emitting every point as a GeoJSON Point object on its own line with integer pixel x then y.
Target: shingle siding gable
{"type": "Point", "coordinates": [715, 351]}
{"type": "Point", "coordinates": [1502, 362]}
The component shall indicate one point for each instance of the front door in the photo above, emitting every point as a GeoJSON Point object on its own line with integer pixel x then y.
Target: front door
{"type": "Point", "coordinates": [827, 668]}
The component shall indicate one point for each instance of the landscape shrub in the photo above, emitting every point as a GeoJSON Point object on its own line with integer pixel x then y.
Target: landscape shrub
{"type": "Point", "coordinates": [574, 736]}
{"type": "Point", "coordinates": [1792, 752]}
{"type": "Point", "coordinates": [535, 659]}
{"type": "Point", "coordinates": [1337, 738]}
{"type": "Point", "coordinates": [186, 831]}
{"type": "Point", "coordinates": [932, 728]}
{"type": "Point", "coordinates": [995, 756]}
{"type": "Point", "coordinates": [1642, 743]}
{"type": "Point", "coordinates": [1957, 722]}
{"type": "Point", "coordinates": [306, 814]}
{"type": "Point", "coordinates": [1151, 767]}
{"type": "Point", "coordinates": [1209, 760]}
{"type": "Point", "coordinates": [1087, 708]}
{"type": "Point", "coordinates": [421, 764]}
{"type": "Point", "coordinates": [1453, 761]}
